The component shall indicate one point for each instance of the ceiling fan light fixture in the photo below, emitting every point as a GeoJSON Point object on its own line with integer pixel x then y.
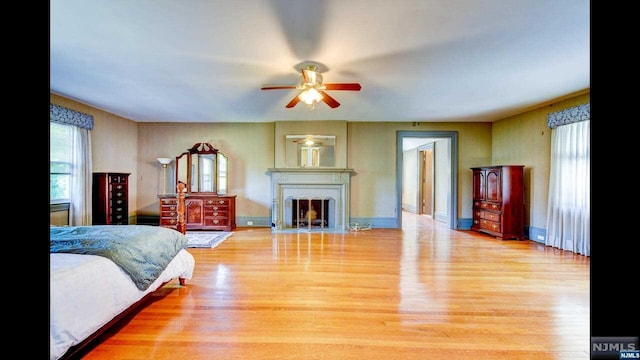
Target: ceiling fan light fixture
{"type": "Point", "coordinates": [310, 97]}
{"type": "Point", "coordinates": [312, 90]}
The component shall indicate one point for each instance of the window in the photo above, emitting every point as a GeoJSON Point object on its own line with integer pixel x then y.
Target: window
{"type": "Point", "coordinates": [569, 207]}
{"type": "Point", "coordinates": [60, 140]}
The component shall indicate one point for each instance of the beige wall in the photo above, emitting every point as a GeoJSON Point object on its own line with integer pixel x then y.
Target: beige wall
{"type": "Point", "coordinates": [123, 145]}
{"type": "Point", "coordinates": [248, 147]}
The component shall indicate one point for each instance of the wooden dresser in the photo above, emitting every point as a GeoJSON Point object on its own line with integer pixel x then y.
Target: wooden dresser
{"type": "Point", "coordinates": [203, 212]}
{"type": "Point", "coordinates": [110, 198]}
{"type": "Point", "coordinates": [498, 201]}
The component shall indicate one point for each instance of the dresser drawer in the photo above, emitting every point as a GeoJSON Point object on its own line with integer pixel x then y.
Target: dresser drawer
{"type": "Point", "coordinates": [216, 221]}
{"type": "Point", "coordinates": [487, 215]}
{"type": "Point", "coordinates": [118, 186]}
{"type": "Point", "coordinates": [216, 211]}
{"type": "Point", "coordinates": [490, 225]}
{"type": "Point", "coordinates": [487, 205]}
{"type": "Point", "coordinates": [168, 221]}
{"type": "Point", "coordinates": [491, 216]}
{"type": "Point", "coordinates": [121, 179]}
{"type": "Point", "coordinates": [169, 213]}
{"type": "Point", "coordinates": [216, 206]}
{"type": "Point", "coordinates": [119, 195]}
{"type": "Point", "coordinates": [168, 207]}
{"type": "Point", "coordinates": [118, 202]}
{"type": "Point", "coordinates": [217, 202]}
{"type": "Point", "coordinates": [118, 208]}
{"type": "Point", "coordinates": [119, 218]}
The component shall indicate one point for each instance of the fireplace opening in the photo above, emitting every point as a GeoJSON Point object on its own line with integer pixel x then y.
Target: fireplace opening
{"type": "Point", "coordinates": [310, 214]}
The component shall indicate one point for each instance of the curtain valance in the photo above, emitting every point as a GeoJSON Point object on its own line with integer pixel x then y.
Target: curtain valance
{"type": "Point", "coordinates": [570, 115]}
{"type": "Point", "coordinates": [62, 115]}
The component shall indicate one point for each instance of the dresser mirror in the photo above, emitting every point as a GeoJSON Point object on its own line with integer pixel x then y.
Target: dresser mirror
{"type": "Point", "coordinates": [310, 151]}
{"type": "Point", "coordinates": [203, 168]}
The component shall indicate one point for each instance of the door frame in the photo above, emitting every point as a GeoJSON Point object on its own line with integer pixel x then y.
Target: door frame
{"type": "Point", "coordinates": [431, 174]}
{"type": "Point", "coordinates": [453, 152]}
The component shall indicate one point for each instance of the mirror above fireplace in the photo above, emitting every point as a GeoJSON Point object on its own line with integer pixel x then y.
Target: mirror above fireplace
{"type": "Point", "coordinates": [310, 151]}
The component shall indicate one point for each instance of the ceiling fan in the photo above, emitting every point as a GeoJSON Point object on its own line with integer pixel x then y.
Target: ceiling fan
{"type": "Point", "coordinates": [312, 90]}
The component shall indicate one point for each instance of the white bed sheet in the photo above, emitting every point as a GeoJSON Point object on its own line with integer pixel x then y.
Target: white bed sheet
{"type": "Point", "coordinates": [87, 291]}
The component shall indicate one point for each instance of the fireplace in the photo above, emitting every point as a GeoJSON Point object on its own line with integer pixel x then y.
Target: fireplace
{"type": "Point", "coordinates": [295, 191]}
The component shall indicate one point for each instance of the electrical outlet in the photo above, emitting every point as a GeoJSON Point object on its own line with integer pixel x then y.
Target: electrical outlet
{"type": "Point", "coordinates": [540, 237]}
{"type": "Point", "coordinates": [249, 223]}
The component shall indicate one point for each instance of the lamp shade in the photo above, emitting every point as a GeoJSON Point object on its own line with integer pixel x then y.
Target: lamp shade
{"type": "Point", "coordinates": [164, 161]}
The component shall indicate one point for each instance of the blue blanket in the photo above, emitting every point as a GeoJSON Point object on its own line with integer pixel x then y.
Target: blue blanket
{"type": "Point", "coordinates": [142, 251]}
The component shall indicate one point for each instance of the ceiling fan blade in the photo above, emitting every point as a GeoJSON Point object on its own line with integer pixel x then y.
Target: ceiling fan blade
{"type": "Point", "coordinates": [329, 100]}
{"type": "Point", "coordinates": [277, 87]}
{"type": "Point", "coordinates": [293, 102]}
{"type": "Point", "coordinates": [343, 86]}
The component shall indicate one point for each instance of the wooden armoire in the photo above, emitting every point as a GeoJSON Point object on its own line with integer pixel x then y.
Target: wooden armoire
{"type": "Point", "coordinates": [110, 198]}
{"type": "Point", "coordinates": [498, 201]}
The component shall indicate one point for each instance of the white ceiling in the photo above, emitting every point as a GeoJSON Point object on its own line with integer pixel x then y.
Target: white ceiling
{"type": "Point", "coordinates": [417, 60]}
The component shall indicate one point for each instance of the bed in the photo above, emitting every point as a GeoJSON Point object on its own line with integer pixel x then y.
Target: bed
{"type": "Point", "coordinates": [100, 273]}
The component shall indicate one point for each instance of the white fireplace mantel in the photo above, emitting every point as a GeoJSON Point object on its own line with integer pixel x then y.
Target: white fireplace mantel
{"type": "Point", "coordinates": [310, 183]}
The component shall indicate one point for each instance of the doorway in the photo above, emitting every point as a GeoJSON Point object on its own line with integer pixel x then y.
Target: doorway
{"type": "Point", "coordinates": [447, 168]}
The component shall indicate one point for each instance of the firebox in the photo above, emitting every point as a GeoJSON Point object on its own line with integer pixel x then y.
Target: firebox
{"type": "Point", "coordinates": [310, 213]}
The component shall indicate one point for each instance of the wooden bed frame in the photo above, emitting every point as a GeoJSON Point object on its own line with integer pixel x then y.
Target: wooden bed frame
{"type": "Point", "coordinates": [79, 350]}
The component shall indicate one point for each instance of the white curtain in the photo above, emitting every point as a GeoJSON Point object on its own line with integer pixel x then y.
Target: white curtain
{"type": "Point", "coordinates": [81, 178]}
{"type": "Point", "coordinates": [568, 213]}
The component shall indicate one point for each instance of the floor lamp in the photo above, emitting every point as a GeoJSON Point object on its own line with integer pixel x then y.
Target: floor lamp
{"type": "Point", "coordinates": [163, 187]}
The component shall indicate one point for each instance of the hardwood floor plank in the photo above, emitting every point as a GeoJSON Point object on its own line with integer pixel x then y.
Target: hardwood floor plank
{"type": "Point", "coordinates": [424, 292]}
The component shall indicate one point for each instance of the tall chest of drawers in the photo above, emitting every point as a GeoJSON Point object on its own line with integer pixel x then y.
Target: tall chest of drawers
{"type": "Point", "coordinates": [110, 198]}
{"type": "Point", "coordinates": [202, 212]}
{"type": "Point", "coordinates": [498, 201]}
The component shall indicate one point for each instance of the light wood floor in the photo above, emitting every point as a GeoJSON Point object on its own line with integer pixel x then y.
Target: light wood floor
{"type": "Point", "coordinates": [423, 292]}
